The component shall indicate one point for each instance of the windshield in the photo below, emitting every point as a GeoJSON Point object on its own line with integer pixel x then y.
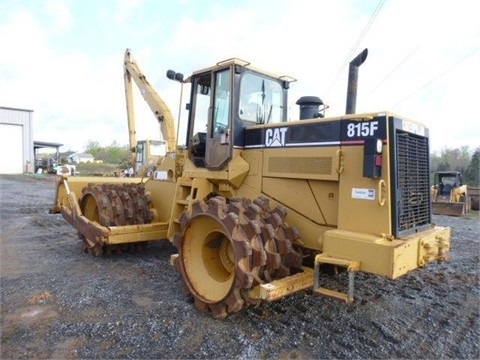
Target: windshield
{"type": "Point", "coordinates": [261, 99]}
{"type": "Point", "coordinates": [158, 148]}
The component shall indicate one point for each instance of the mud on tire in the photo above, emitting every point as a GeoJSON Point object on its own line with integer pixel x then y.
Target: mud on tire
{"type": "Point", "coordinates": [226, 247]}
{"type": "Point", "coordinates": [114, 205]}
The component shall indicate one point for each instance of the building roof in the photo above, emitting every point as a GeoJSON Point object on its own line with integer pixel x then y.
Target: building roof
{"type": "Point", "coordinates": [17, 109]}
{"type": "Point", "coordinates": [44, 144]}
{"type": "Point", "coordinates": [83, 155]}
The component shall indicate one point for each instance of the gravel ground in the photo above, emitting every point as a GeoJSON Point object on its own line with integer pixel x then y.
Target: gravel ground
{"type": "Point", "coordinates": [59, 303]}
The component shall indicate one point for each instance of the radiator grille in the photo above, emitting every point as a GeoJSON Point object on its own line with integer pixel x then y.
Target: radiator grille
{"type": "Point", "coordinates": [413, 185]}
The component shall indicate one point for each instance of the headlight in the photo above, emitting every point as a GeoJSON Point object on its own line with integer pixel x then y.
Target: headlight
{"type": "Point", "coordinates": [379, 146]}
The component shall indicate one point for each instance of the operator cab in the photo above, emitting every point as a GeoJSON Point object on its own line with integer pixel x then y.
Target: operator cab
{"type": "Point", "coordinates": [446, 181]}
{"type": "Point", "coordinates": [147, 149]}
{"type": "Point", "coordinates": [224, 100]}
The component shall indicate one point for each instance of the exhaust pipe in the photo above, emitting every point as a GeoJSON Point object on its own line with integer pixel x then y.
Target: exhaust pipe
{"type": "Point", "coordinates": [353, 81]}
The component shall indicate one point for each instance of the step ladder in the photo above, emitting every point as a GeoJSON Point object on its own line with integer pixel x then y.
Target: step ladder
{"type": "Point", "coordinates": [183, 196]}
{"type": "Point", "coordinates": [352, 267]}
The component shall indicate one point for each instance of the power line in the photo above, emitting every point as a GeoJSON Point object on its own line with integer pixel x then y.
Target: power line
{"type": "Point", "coordinates": [357, 43]}
{"type": "Point", "coordinates": [435, 78]}
{"type": "Point", "coordinates": [393, 70]}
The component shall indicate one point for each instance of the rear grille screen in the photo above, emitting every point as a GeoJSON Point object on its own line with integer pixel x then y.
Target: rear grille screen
{"type": "Point", "coordinates": [412, 199]}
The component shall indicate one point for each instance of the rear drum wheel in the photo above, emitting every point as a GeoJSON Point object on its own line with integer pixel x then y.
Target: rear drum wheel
{"type": "Point", "coordinates": [114, 205]}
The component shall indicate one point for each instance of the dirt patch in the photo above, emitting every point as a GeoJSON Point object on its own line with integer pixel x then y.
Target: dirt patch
{"type": "Point", "coordinates": [57, 302]}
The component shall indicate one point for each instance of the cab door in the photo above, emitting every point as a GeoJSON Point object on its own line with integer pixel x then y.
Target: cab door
{"type": "Point", "coordinates": [219, 129]}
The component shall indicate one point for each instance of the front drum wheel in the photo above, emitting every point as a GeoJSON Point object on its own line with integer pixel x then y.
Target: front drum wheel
{"type": "Point", "coordinates": [227, 248]}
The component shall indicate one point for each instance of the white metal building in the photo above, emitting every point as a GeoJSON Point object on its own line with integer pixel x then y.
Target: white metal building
{"type": "Point", "coordinates": [16, 141]}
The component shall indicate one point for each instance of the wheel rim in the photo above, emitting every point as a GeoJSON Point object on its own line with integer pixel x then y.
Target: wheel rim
{"type": "Point", "coordinates": [90, 208]}
{"type": "Point", "coordinates": [210, 275]}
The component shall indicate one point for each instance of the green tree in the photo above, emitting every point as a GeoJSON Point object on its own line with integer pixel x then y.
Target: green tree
{"type": "Point", "coordinates": [117, 154]}
{"type": "Point", "coordinates": [434, 162]}
{"type": "Point", "coordinates": [94, 148]}
{"type": "Point", "coordinates": [451, 159]}
{"type": "Point", "coordinates": [472, 173]}
{"type": "Point", "coordinates": [113, 154]}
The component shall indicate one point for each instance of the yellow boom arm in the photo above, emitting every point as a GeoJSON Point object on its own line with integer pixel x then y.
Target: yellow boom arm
{"type": "Point", "coordinates": [156, 104]}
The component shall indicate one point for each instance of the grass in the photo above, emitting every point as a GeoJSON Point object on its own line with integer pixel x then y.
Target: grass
{"type": "Point", "coordinates": [472, 214]}
{"type": "Point", "coordinates": [88, 169]}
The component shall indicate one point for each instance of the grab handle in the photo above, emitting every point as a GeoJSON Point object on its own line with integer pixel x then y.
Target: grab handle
{"type": "Point", "coordinates": [382, 188]}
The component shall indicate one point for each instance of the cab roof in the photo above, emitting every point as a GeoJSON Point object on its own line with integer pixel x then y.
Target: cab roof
{"type": "Point", "coordinates": [246, 64]}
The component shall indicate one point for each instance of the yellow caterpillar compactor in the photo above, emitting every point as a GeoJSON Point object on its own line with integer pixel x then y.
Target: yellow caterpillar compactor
{"type": "Point", "coordinates": [257, 205]}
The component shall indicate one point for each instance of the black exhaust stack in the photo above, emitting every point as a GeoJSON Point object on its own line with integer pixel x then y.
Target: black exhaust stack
{"type": "Point", "coordinates": [353, 81]}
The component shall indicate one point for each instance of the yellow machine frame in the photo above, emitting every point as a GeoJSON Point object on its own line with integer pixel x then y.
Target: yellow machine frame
{"type": "Point", "coordinates": [342, 199]}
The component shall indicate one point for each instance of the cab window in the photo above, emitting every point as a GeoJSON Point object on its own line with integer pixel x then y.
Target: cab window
{"type": "Point", "coordinates": [261, 99]}
{"type": "Point", "coordinates": [221, 103]}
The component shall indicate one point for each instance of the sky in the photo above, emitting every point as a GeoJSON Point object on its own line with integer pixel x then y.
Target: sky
{"type": "Point", "coordinates": [63, 59]}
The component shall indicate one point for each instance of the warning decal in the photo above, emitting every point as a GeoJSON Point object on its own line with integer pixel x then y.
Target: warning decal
{"type": "Point", "coordinates": [363, 194]}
